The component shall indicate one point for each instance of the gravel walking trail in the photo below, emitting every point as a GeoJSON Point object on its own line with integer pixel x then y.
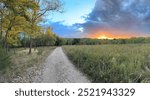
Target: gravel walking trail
{"type": "Point", "coordinates": [58, 69]}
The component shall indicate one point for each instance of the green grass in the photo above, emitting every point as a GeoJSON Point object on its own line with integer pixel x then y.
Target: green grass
{"type": "Point", "coordinates": [112, 63]}
{"type": "Point", "coordinates": [21, 61]}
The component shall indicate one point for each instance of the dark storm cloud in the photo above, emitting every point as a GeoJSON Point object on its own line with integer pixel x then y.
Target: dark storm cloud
{"type": "Point", "coordinates": [131, 15]}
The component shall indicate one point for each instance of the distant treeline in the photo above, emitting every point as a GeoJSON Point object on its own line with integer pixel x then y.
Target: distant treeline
{"type": "Point", "coordinates": [87, 41]}
{"type": "Point", "coordinates": [53, 40]}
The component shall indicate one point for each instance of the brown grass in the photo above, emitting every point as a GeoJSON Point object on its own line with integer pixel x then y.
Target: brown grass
{"type": "Point", "coordinates": [22, 61]}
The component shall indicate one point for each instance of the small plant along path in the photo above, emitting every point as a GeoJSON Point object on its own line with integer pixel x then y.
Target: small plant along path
{"type": "Point", "coordinates": [58, 69]}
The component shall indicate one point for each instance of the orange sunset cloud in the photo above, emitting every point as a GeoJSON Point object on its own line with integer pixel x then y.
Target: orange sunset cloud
{"type": "Point", "coordinates": [107, 34]}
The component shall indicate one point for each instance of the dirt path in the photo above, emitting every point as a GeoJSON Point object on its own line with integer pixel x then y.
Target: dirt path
{"type": "Point", "coordinates": [58, 69]}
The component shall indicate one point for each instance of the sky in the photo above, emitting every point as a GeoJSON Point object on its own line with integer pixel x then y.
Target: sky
{"type": "Point", "coordinates": [102, 19]}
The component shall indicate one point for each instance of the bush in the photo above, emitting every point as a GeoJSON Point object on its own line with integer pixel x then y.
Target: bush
{"type": "Point", "coordinates": [4, 59]}
{"type": "Point", "coordinates": [40, 51]}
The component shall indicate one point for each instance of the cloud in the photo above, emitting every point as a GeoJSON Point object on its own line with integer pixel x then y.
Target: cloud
{"type": "Point", "coordinates": [122, 15]}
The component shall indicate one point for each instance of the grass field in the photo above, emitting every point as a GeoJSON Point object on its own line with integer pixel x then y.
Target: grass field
{"type": "Point", "coordinates": [23, 66]}
{"type": "Point", "coordinates": [112, 63]}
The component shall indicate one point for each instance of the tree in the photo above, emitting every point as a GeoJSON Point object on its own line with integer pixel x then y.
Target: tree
{"type": "Point", "coordinates": [51, 38]}
{"type": "Point", "coordinates": [12, 23]}
{"type": "Point", "coordinates": [34, 16]}
{"type": "Point", "coordinates": [27, 14]}
{"type": "Point", "coordinates": [47, 38]}
{"type": "Point", "coordinates": [12, 17]}
{"type": "Point", "coordinates": [60, 41]}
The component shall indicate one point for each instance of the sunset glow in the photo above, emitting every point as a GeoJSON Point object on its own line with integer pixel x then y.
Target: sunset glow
{"type": "Point", "coordinates": [104, 37]}
{"type": "Point", "coordinates": [110, 35]}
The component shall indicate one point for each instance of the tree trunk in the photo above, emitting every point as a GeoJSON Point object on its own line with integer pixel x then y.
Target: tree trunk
{"type": "Point", "coordinates": [14, 51]}
{"type": "Point", "coordinates": [6, 46]}
{"type": "Point", "coordinates": [1, 32]}
{"type": "Point", "coordinates": [30, 48]}
{"type": "Point", "coordinates": [1, 26]}
{"type": "Point", "coordinates": [35, 47]}
{"type": "Point", "coordinates": [5, 41]}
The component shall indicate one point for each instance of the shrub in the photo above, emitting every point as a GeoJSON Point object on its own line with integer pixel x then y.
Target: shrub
{"type": "Point", "coordinates": [4, 59]}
